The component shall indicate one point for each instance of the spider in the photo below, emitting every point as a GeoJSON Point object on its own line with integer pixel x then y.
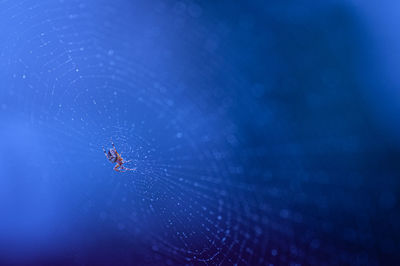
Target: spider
{"type": "Point", "coordinates": [114, 157]}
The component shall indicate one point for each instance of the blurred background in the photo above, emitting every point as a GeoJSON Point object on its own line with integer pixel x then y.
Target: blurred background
{"type": "Point", "coordinates": [262, 132]}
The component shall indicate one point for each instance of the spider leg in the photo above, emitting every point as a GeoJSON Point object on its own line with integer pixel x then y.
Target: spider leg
{"type": "Point", "coordinates": [105, 152]}
{"type": "Point", "coordinates": [116, 168]}
{"type": "Point", "coordinates": [123, 169]}
{"type": "Point", "coordinates": [127, 169]}
{"type": "Point", "coordinates": [112, 143]}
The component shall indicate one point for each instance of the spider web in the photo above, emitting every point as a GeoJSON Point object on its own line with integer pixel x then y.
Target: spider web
{"type": "Point", "coordinates": [92, 84]}
{"type": "Point", "coordinates": [147, 76]}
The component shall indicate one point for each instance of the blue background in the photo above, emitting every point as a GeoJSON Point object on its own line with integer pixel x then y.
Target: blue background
{"type": "Point", "coordinates": [263, 132]}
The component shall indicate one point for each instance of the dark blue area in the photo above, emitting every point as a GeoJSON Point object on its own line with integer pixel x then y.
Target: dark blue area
{"type": "Point", "coordinates": [263, 133]}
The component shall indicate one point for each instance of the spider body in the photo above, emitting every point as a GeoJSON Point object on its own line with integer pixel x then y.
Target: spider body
{"type": "Point", "coordinates": [114, 157]}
